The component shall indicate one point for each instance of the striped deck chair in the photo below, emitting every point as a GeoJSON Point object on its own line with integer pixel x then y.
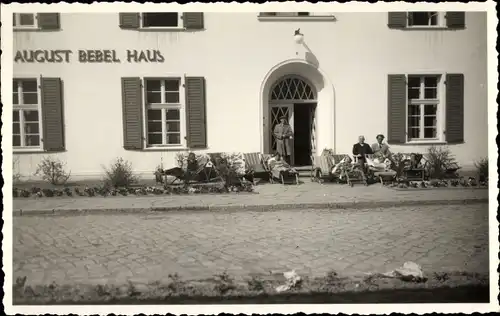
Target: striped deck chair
{"type": "Point", "coordinates": [321, 168]}
{"type": "Point", "coordinates": [254, 167]}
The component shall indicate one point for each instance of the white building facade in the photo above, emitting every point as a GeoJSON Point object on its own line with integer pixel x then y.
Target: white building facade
{"type": "Point", "coordinates": [89, 88]}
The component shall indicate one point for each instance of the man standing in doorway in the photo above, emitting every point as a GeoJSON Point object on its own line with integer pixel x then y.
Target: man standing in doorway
{"type": "Point", "coordinates": [283, 133]}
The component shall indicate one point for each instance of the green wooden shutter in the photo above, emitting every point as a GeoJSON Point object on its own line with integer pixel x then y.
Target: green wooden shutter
{"type": "Point", "coordinates": [130, 20]}
{"type": "Point", "coordinates": [52, 114]}
{"type": "Point", "coordinates": [132, 113]}
{"type": "Point", "coordinates": [397, 20]}
{"type": "Point", "coordinates": [48, 21]}
{"type": "Point", "coordinates": [193, 20]}
{"type": "Point", "coordinates": [196, 112]}
{"type": "Point", "coordinates": [455, 20]}
{"type": "Point", "coordinates": [396, 109]}
{"type": "Point", "coordinates": [455, 108]}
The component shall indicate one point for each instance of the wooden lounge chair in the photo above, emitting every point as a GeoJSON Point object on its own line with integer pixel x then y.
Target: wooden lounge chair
{"type": "Point", "coordinates": [321, 168]}
{"type": "Point", "coordinates": [415, 168]}
{"type": "Point", "coordinates": [284, 177]}
{"type": "Point", "coordinates": [254, 166]}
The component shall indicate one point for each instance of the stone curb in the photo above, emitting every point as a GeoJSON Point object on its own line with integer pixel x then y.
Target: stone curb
{"type": "Point", "coordinates": [255, 208]}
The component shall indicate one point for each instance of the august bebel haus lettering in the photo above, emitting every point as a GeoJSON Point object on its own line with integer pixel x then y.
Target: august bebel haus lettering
{"type": "Point", "coordinates": [42, 56]}
{"type": "Point", "coordinates": [153, 56]}
{"type": "Point", "coordinates": [97, 56]}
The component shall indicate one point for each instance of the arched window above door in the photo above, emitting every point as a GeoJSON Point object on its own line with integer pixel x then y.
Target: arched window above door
{"type": "Point", "coordinates": [292, 89]}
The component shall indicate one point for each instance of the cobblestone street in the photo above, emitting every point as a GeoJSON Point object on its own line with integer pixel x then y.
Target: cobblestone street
{"type": "Point", "coordinates": [149, 246]}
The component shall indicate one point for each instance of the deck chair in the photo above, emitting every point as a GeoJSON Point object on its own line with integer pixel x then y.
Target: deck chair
{"type": "Point", "coordinates": [415, 168]}
{"type": "Point", "coordinates": [284, 177]}
{"type": "Point", "coordinates": [321, 168]}
{"type": "Point", "coordinates": [358, 175]}
{"type": "Point", "coordinates": [254, 166]}
{"type": "Point", "coordinates": [451, 171]}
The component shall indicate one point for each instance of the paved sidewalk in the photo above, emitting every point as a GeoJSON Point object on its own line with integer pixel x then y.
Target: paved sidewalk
{"type": "Point", "coordinates": [147, 247]}
{"type": "Point", "coordinates": [307, 195]}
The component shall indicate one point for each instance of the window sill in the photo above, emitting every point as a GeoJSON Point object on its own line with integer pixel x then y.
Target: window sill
{"type": "Point", "coordinates": [298, 18]}
{"type": "Point", "coordinates": [27, 150]}
{"type": "Point", "coordinates": [166, 148]}
{"type": "Point", "coordinates": [162, 29]}
{"type": "Point", "coordinates": [426, 28]}
{"type": "Point", "coordinates": [425, 142]}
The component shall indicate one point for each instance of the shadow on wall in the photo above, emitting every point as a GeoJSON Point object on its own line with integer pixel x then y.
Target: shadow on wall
{"type": "Point", "coordinates": [310, 57]}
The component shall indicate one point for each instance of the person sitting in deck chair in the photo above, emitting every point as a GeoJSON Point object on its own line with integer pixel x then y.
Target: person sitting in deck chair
{"type": "Point", "coordinates": [279, 166]}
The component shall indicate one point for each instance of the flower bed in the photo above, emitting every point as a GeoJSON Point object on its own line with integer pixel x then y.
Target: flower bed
{"type": "Point", "coordinates": [104, 191]}
{"type": "Point", "coordinates": [433, 184]}
{"type": "Point", "coordinates": [256, 289]}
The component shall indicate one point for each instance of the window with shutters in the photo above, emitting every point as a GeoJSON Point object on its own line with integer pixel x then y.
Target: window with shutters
{"type": "Point", "coordinates": [426, 19]}
{"type": "Point", "coordinates": [24, 21]}
{"type": "Point", "coordinates": [161, 20]}
{"type": "Point", "coordinates": [26, 119]}
{"type": "Point", "coordinates": [164, 99]}
{"type": "Point", "coordinates": [424, 107]}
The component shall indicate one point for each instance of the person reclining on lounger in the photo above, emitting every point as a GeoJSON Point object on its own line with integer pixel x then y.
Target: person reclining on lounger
{"type": "Point", "coordinates": [279, 166]}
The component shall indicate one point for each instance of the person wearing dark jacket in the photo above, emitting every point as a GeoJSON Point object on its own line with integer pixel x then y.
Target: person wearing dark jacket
{"type": "Point", "coordinates": [359, 151]}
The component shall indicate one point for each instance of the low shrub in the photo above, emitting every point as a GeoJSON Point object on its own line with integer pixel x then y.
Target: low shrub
{"type": "Point", "coordinates": [16, 175]}
{"type": "Point", "coordinates": [224, 283]}
{"type": "Point", "coordinates": [482, 169]}
{"type": "Point", "coordinates": [438, 160]}
{"type": "Point", "coordinates": [53, 171]}
{"type": "Point", "coordinates": [120, 174]}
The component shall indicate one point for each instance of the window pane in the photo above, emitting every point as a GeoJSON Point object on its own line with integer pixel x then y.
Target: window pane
{"type": "Point", "coordinates": [16, 128]}
{"type": "Point", "coordinates": [153, 85]}
{"type": "Point", "coordinates": [16, 140]}
{"type": "Point", "coordinates": [154, 127]}
{"type": "Point", "coordinates": [31, 128]}
{"type": "Point", "coordinates": [173, 115]}
{"type": "Point", "coordinates": [430, 109]}
{"type": "Point", "coordinates": [29, 85]}
{"type": "Point", "coordinates": [173, 126]}
{"type": "Point", "coordinates": [430, 93]}
{"type": "Point", "coordinates": [268, 13]}
{"type": "Point", "coordinates": [414, 109]}
{"type": "Point", "coordinates": [30, 116]}
{"type": "Point", "coordinates": [30, 98]}
{"type": "Point", "coordinates": [430, 121]}
{"type": "Point", "coordinates": [413, 121]}
{"type": "Point", "coordinates": [153, 97]}
{"type": "Point", "coordinates": [172, 85]}
{"type": "Point", "coordinates": [414, 82]}
{"type": "Point", "coordinates": [303, 13]}
{"type": "Point", "coordinates": [420, 18]}
{"type": "Point", "coordinates": [430, 132]}
{"type": "Point", "coordinates": [15, 98]}
{"type": "Point", "coordinates": [414, 132]}
{"type": "Point", "coordinates": [15, 116]}
{"type": "Point", "coordinates": [154, 115]}
{"type": "Point", "coordinates": [160, 19]}
{"type": "Point", "coordinates": [433, 18]}
{"type": "Point", "coordinates": [15, 85]}
{"type": "Point", "coordinates": [173, 139]}
{"type": "Point", "coordinates": [26, 19]}
{"type": "Point", "coordinates": [155, 139]}
{"type": "Point", "coordinates": [172, 97]}
{"type": "Point", "coordinates": [431, 82]}
{"type": "Point", "coordinates": [32, 140]}
{"type": "Point", "coordinates": [413, 93]}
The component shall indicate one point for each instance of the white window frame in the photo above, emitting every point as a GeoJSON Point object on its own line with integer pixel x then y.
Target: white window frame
{"type": "Point", "coordinates": [17, 19]}
{"type": "Point", "coordinates": [289, 16]}
{"type": "Point", "coordinates": [27, 107]}
{"type": "Point", "coordinates": [181, 106]}
{"type": "Point", "coordinates": [180, 22]}
{"type": "Point", "coordinates": [441, 20]}
{"type": "Point", "coordinates": [440, 111]}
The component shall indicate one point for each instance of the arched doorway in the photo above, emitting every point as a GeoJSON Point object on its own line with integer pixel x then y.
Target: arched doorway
{"type": "Point", "coordinates": [294, 97]}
